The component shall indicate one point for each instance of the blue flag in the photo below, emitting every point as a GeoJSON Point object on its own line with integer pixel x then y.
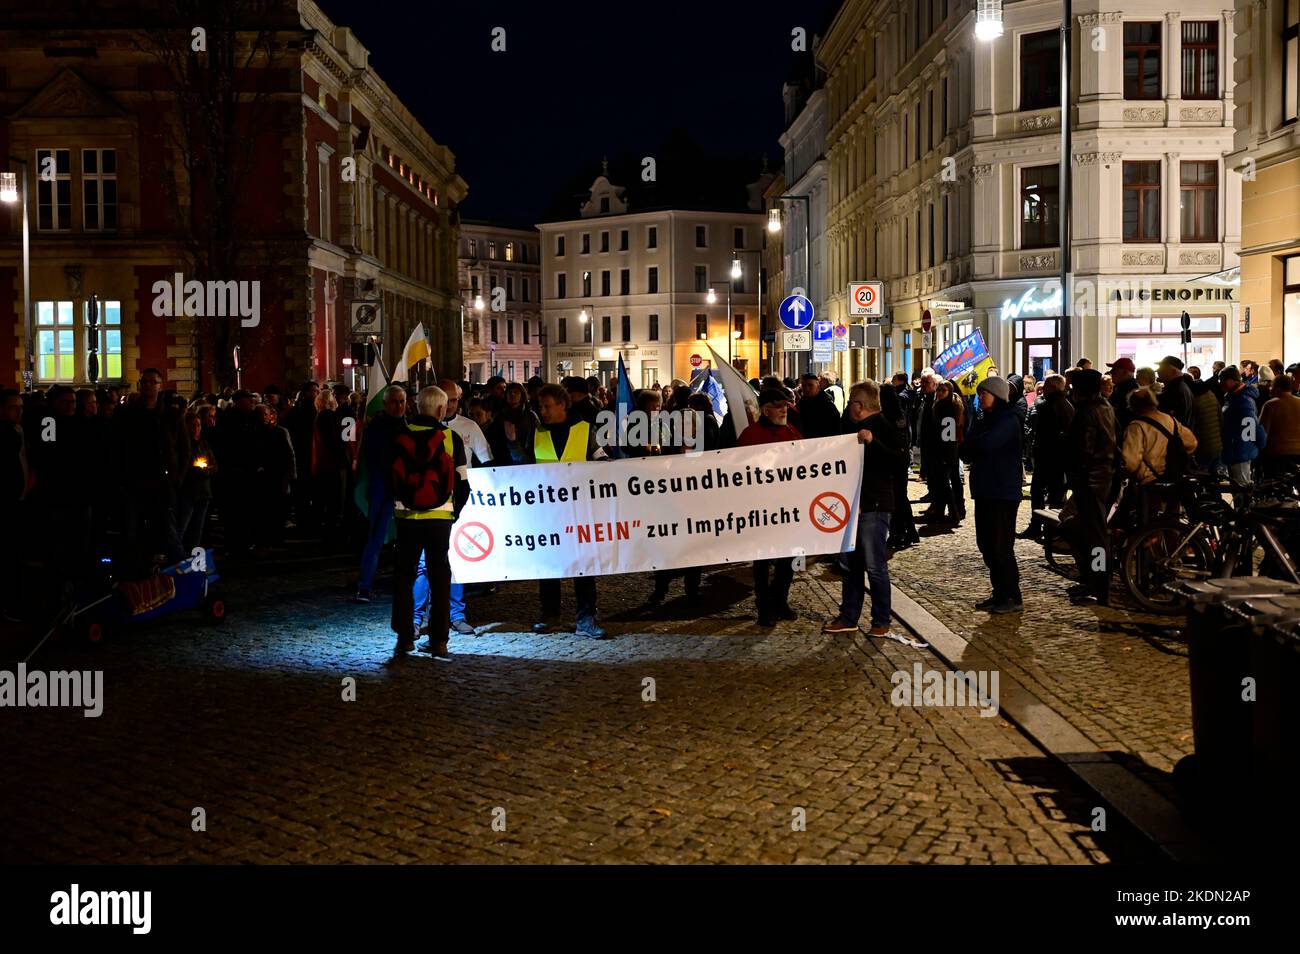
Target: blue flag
{"type": "Point", "coordinates": [622, 407]}
{"type": "Point", "coordinates": [705, 383]}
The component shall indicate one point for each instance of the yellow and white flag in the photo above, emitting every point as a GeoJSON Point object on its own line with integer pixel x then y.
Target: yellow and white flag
{"type": "Point", "coordinates": [416, 350]}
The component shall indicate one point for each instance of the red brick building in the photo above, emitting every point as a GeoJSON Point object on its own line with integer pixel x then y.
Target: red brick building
{"type": "Point", "coordinates": [319, 186]}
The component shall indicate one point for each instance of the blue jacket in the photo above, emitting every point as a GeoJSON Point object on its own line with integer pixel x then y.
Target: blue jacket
{"type": "Point", "coordinates": [993, 452]}
{"type": "Point", "coordinates": [1237, 410]}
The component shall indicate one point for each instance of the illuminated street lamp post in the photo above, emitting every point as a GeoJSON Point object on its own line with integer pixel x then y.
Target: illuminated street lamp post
{"type": "Point", "coordinates": [9, 194]}
{"type": "Point", "coordinates": [988, 27]}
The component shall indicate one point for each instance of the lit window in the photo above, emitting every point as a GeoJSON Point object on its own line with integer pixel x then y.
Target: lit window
{"type": "Point", "coordinates": [56, 333]}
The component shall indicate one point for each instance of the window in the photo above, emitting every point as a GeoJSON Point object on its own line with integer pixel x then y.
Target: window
{"type": "Point", "coordinates": [888, 351]}
{"type": "Point", "coordinates": [473, 285]}
{"type": "Point", "coordinates": [525, 281]}
{"type": "Point", "coordinates": [622, 240]}
{"type": "Point", "coordinates": [604, 241]}
{"type": "Point", "coordinates": [110, 337]}
{"type": "Point", "coordinates": [605, 328]}
{"type": "Point", "coordinates": [510, 288]}
{"type": "Point", "coordinates": [586, 329]}
{"type": "Point", "coordinates": [700, 237]}
{"type": "Point", "coordinates": [527, 368]}
{"type": "Point", "coordinates": [604, 203]}
{"type": "Point", "coordinates": [53, 199]}
{"type": "Point", "coordinates": [562, 331]}
{"type": "Point", "coordinates": [323, 170]}
{"type": "Point", "coordinates": [1142, 60]}
{"type": "Point", "coordinates": [929, 211]}
{"type": "Point", "coordinates": [917, 137]}
{"type": "Point", "coordinates": [604, 281]}
{"type": "Point", "coordinates": [1142, 201]}
{"type": "Point", "coordinates": [1039, 206]}
{"type": "Point", "coordinates": [943, 108]}
{"type": "Point", "coordinates": [627, 328]}
{"type": "Point", "coordinates": [495, 331]}
{"type": "Point", "coordinates": [653, 333]}
{"type": "Point", "coordinates": [510, 331]}
{"type": "Point", "coordinates": [99, 189]}
{"type": "Point", "coordinates": [510, 370]}
{"type": "Point", "coordinates": [1290, 62]}
{"type": "Point", "coordinates": [652, 280]}
{"type": "Point", "coordinates": [586, 284]}
{"type": "Point", "coordinates": [586, 243]}
{"type": "Point", "coordinates": [738, 237]}
{"type": "Point", "coordinates": [907, 353]}
{"type": "Point", "coordinates": [56, 351]}
{"type": "Point", "coordinates": [738, 326]}
{"type": "Point", "coordinates": [475, 325]}
{"type": "Point", "coordinates": [903, 158]}
{"type": "Point", "coordinates": [1040, 70]}
{"type": "Point", "coordinates": [929, 119]}
{"type": "Point", "coordinates": [943, 246]}
{"type": "Point", "coordinates": [473, 247]}
{"type": "Point", "coordinates": [560, 281]}
{"type": "Point", "coordinates": [559, 247]}
{"type": "Point", "coordinates": [917, 233]}
{"type": "Point", "coordinates": [701, 326]}
{"type": "Point", "coordinates": [1201, 59]}
{"type": "Point", "coordinates": [492, 251]}
{"type": "Point", "coordinates": [625, 281]}
{"type": "Point", "coordinates": [701, 278]}
{"type": "Point", "coordinates": [1146, 340]}
{"type": "Point", "coordinates": [492, 283]}
{"type": "Point", "coordinates": [1198, 202]}
{"type": "Point", "coordinates": [652, 237]}
{"type": "Point", "coordinates": [510, 251]}
{"type": "Point", "coordinates": [527, 327]}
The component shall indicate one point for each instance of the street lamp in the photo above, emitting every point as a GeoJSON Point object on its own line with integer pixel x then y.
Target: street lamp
{"type": "Point", "coordinates": [988, 26]}
{"type": "Point", "coordinates": [9, 194]}
{"type": "Point", "coordinates": [713, 297]}
{"type": "Point", "coordinates": [585, 318]}
{"type": "Point", "coordinates": [774, 225]}
{"type": "Point", "coordinates": [737, 272]}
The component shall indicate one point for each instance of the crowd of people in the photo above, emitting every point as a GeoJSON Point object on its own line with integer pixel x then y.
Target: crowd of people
{"type": "Point", "coordinates": [142, 478]}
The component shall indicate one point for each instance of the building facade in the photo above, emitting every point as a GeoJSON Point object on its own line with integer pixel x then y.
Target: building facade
{"type": "Point", "coordinates": [501, 287]}
{"type": "Point", "coordinates": [944, 154]}
{"type": "Point", "coordinates": [803, 234]}
{"type": "Point", "coordinates": [650, 286]}
{"type": "Point", "coordinates": [335, 194]}
{"type": "Point", "coordinates": [1267, 152]}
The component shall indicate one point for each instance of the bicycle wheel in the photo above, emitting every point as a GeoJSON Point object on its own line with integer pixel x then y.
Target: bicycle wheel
{"type": "Point", "coordinates": [1155, 557]}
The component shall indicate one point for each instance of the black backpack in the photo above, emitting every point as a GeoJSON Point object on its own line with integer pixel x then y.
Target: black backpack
{"type": "Point", "coordinates": [1177, 464]}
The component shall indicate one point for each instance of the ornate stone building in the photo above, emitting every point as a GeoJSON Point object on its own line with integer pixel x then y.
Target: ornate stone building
{"type": "Point", "coordinates": [328, 191]}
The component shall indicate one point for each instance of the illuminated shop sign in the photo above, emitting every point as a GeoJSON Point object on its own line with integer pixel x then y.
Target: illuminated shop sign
{"type": "Point", "coordinates": [1033, 302]}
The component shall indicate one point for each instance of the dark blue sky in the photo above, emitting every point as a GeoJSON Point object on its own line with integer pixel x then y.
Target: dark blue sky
{"type": "Point", "coordinates": [579, 80]}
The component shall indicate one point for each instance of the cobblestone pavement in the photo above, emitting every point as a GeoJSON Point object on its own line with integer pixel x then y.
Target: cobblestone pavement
{"type": "Point", "coordinates": [1117, 675]}
{"type": "Point", "coordinates": [749, 730]}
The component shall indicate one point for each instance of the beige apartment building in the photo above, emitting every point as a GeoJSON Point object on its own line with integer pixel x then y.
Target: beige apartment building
{"type": "Point", "coordinates": [944, 153]}
{"type": "Point", "coordinates": [501, 286]}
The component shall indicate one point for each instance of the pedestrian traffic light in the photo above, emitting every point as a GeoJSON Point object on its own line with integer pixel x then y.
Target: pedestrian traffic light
{"type": "Point", "coordinates": [359, 355]}
{"type": "Point", "coordinates": [1186, 321]}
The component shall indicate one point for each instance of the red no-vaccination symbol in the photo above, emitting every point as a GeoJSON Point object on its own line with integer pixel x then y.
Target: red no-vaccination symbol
{"type": "Point", "coordinates": [829, 512]}
{"type": "Point", "coordinates": [470, 546]}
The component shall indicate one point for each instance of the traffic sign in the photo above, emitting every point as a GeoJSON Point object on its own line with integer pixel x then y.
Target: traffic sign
{"type": "Point", "coordinates": [841, 344]}
{"type": "Point", "coordinates": [796, 312]}
{"type": "Point", "coordinates": [926, 320]}
{"type": "Point", "coordinates": [867, 299]}
{"type": "Point", "coordinates": [796, 341]}
{"type": "Point", "coordinates": [927, 339]}
{"type": "Point", "coordinates": [696, 360]}
{"type": "Point", "coordinates": [822, 352]}
{"type": "Point", "coordinates": [821, 331]}
{"type": "Point", "coordinates": [841, 331]}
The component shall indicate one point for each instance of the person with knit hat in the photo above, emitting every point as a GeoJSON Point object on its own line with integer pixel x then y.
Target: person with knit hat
{"type": "Point", "coordinates": [993, 452]}
{"type": "Point", "coordinates": [1176, 395]}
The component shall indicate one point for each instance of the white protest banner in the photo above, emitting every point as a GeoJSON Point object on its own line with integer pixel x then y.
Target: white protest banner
{"type": "Point", "coordinates": [560, 520]}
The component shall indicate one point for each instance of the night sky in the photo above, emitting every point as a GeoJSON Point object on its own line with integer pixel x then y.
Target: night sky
{"type": "Point", "coordinates": [580, 80]}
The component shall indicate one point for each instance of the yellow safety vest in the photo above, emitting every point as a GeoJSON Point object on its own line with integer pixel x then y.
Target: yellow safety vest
{"type": "Point", "coordinates": [448, 510]}
{"type": "Point", "coordinates": [575, 449]}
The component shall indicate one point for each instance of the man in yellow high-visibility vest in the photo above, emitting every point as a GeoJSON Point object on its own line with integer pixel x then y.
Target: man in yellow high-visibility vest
{"type": "Point", "coordinates": [426, 467]}
{"type": "Point", "coordinates": [562, 437]}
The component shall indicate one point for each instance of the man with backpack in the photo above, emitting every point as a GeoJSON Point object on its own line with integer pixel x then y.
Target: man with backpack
{"type": "Point", "coordinates": [426, 469]}
{"type": "Point", "coordinates": [1156, 447]}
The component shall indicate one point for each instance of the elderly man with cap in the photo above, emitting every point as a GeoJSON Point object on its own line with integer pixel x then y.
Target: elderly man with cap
{"type": "Point", "coordinates": [772, 578]}
{"type": "Point", "coordinates": [1124, 373]}
{"type": "Point", "coordinates": [1175, 395]}
{"type": "Point", "coordinates": [993, 452]}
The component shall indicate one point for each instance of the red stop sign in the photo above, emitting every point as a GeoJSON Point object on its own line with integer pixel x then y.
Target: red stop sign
{"type": "Point", "coordinates": [696, 361]}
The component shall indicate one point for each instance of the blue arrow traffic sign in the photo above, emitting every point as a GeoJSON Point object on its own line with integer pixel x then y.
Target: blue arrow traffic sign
{"type": "Point", "coordinates": [796, 312]}
{"type": "Point", "coordinates": [822, 331]}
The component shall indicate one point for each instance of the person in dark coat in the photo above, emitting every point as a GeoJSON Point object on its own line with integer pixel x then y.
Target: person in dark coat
{"type": "Point", "coordinates": [301, 425]}
{"type": "Point", "coordinates": [1090, 445]}
{"type": "Point", "coordinates": [1049, 419]}
{"type": "Point", "coordinates": [902, 526]}
{"type": "Point", "coordinates": [941, 433]}
{"type": "Point", "coordinates": [817, 414]}
{"type": "Point", "coordinates": [1176, 395]}
{"type": "Point", "coordinates": [1124, 373]}
{"type": "Point", "coordinates": [993, 452]}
